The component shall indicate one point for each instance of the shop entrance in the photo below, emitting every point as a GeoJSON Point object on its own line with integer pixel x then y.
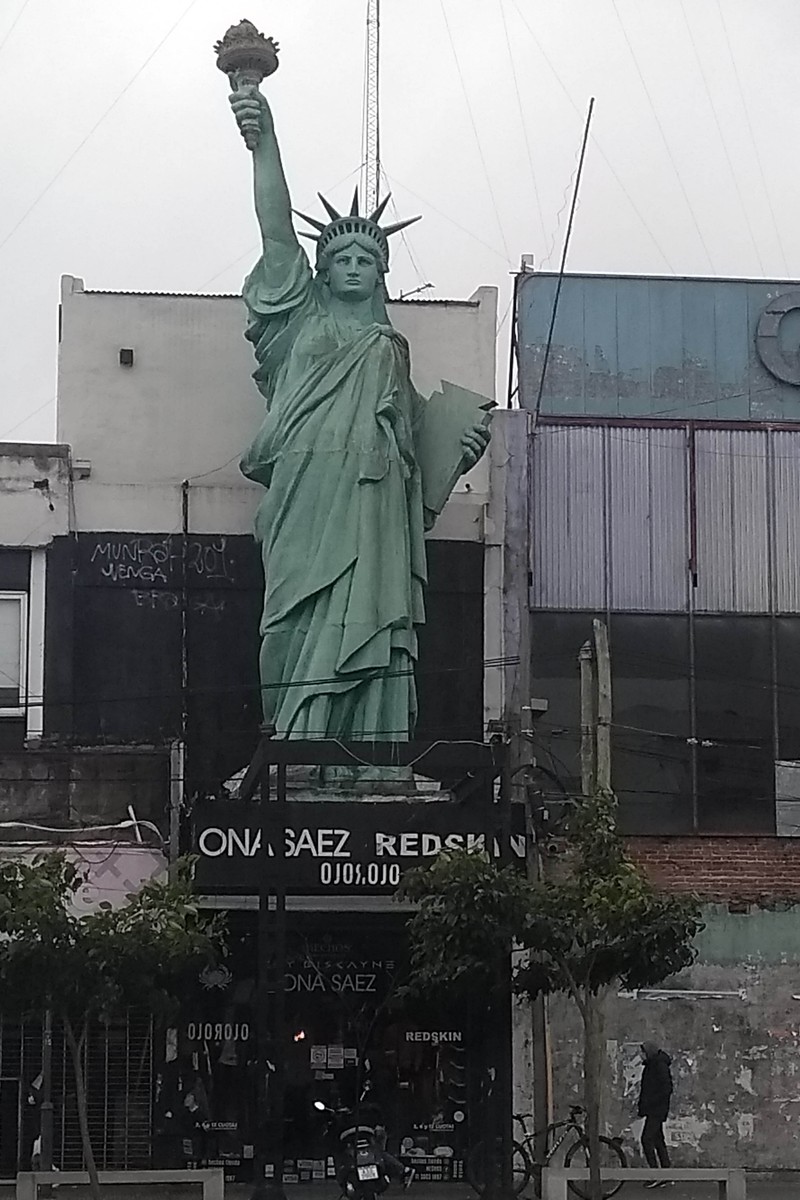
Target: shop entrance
{"type": "Point", "coordinates": [348, 1032]}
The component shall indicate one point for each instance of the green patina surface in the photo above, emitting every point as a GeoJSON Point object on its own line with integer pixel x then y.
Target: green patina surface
{"type": "Point", "coordinates": [767, 936]}
{"type": "Point", "coordinates": [339, 453]}
{"type": "Point", "coordinates": [647, 347]}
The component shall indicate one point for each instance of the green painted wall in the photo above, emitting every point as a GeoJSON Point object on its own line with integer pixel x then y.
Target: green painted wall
{"type": "Point", "coordinates": [759, 936]}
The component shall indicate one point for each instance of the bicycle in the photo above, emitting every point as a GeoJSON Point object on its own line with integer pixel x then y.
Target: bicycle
{"type": "Point", "coordinates": [525, 1166]}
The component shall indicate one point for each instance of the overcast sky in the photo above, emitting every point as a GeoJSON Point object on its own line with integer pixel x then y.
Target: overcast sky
{"type": "Point", "coordinates": [120, 161]}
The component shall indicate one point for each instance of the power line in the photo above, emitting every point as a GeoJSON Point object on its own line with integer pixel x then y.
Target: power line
{"type": "Point", "coordinates": [475, 130]}
{"type": "Point", "coordinates": [722, 138]}
{"type": "Point", "coordinates": [96, 126]}
{"type": "Point", "coordinates": [421, 276]}
{"type": "Point", "coordinates": [447, 217]}
{"type": "Point", "coordinates": [753, 138]}
{"type": "Point", "coordinates": [255, 688]}
{"type": "Point", "coordinates": [667, 147]}
{"type": "Point", "coordinates": [13, 24]}
{"type": "Point", "coordinates": [562, 209]}
{"type": "Point", "coordinates": [598, 146]}
{"type": "Point", "coordinates": [28, 417]}
{"type": "Point", "coordinates": [567, 237]}
{"type": "Point", "coordinates": [523, 122]}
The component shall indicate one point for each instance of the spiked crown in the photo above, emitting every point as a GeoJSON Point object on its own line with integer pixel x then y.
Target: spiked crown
{"type": "Point", "coordinates": [353, 223]}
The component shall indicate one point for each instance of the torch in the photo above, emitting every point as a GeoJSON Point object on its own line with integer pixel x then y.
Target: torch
{"type": "Point", "coordinates": [246, 56]}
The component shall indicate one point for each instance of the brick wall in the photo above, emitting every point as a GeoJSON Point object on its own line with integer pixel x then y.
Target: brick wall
{"type": "Point", "coordinates": [723, 868]}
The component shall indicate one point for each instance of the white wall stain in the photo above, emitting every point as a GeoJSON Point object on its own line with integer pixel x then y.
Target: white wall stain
{"type": "Point", "coordinates": [686, 1131]}
{"type": "Point", "coordinates": [745, 1125]}
{"type": "Point", "coordinates": [629, 1066]}
{"type": "Point", "coordinates": [744, 1079]}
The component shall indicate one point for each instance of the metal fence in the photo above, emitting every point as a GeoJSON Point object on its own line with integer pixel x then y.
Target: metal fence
{"type": "Point", "coordinates": [118, 1067]}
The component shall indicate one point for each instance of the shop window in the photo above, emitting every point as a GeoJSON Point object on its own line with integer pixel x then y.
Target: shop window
{"type": "Point", "coordinates": [13, 630]}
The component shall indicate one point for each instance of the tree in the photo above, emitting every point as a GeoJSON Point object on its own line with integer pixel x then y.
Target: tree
{"type": "Point", "coordinates": [89, 967]}
{"type": "Point", "coordinates": [599, 922]}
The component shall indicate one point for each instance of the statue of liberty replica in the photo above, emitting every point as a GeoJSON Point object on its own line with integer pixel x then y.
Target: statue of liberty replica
{"type": "Point", "coordinates": [354, 462]}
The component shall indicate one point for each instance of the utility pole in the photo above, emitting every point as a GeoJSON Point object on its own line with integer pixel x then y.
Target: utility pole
{"type": "Point", "coordinates": [538, 1006]}
{"type": "Point", "coordinates": [271, 988]}
{"type": "Point", "coordinates": [46, 1108]}
{"type": "Point", "coordinates": [588, 763]}
{"type": "Point", "coordinates": [594, 660]}
{"type": "Point", "coordinates": [603, 753]}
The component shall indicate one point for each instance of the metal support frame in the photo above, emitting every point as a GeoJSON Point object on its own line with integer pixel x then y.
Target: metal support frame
{"type": "Point", "coordinates": [433, 759]}
{"type": "Point", "coordinates": [732, 1181]}
{"type": "Point", "coordinates": [371, 148]}
{"type": "Point", "coordinates": [271, 1019]}
{"type": "Point", "coordinates": [212, 1179]}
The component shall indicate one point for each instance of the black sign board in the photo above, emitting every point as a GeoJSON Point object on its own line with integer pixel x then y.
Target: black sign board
{"type": "Point", "coordinates": [336, 847]}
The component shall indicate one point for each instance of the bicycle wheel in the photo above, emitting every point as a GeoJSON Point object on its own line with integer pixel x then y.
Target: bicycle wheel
{"type": "Point", "coordinates": [611, 1155]}
{"type": "Point", "coordinates": [477, 1166]}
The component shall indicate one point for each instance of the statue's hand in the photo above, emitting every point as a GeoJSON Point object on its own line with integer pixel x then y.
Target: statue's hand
{"type": "Point", "coordinates": [251, 110]}
{"type": "Point", "coordinates": [473, 443]}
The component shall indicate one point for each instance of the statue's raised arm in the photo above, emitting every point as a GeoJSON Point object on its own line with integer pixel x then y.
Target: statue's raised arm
{"type": "Point", "coordinates": [246, 57]}
{"type": "Point", "coordinates": [273, 206]}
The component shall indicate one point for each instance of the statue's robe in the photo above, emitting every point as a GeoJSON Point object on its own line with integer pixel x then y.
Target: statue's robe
{"type": "Point", "coordinates": [341, 522]}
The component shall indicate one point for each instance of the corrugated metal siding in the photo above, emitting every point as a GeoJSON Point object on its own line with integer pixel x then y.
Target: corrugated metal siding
{"type": "Point", "coordinates": [732, 538]}
{"type": "Point", "coordinates": [611, 519]}
{"type": "Point", "coordinates": [648, 527]}
{"type": "Point", "coordinates": [786, 521]}
{"type": "Point", "coordinates": [636, 347]}
{"type": "Point", "coordinates": [569, 559]}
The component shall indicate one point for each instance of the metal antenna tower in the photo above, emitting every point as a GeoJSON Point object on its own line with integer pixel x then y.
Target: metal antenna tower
{"type": "Point", "coordinates": [371, 129]}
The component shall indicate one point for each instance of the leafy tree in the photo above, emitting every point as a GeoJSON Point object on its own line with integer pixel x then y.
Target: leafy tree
{"type": "Point", "coordinates": [597, 922]}
{"type": "Point", "coordinates": [89, 967]}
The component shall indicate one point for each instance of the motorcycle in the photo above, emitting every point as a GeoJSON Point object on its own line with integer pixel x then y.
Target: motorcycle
{"type": "Point", "coordinates": [361, 1168]}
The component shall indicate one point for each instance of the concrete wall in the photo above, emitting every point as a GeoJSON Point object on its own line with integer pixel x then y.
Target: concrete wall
{"type": "Point", "coordinates": [187, 407]}
{"type": "Point", "coordinates": [731, 1022]}
{"type": "Point", "coordinates": [34, 493]}
{"type": "Point", "coordinates": [65, 788]}
{"type": "Point", "coordinates": [732, 1026]}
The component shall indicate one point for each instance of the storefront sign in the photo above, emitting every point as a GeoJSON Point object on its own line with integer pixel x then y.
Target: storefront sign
{"type": "Point", "coordinates": [336, 847]}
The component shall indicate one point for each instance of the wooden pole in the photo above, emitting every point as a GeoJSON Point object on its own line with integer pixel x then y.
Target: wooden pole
{"type": "Point", "coordinates": [603, 661]}
{"type": "Point", "coordinates": [586, 665]}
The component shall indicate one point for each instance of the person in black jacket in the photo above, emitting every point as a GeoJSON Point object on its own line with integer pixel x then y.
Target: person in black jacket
{"type": "Point", "coordinates": [655, 1093]}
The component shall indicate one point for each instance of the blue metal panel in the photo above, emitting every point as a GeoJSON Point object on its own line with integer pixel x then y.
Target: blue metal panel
{"type": "Point", "coordinates": [633, 350]}
{"type": "Point", "coordinates": [600, 339]}
{"type": "Point", "coordinates": [700, 387]}
{"type": "Point", "coordinates": [666, 340]}
{"type": "Point", "coordinates": [650, 347]}
{"type": "Point", "coordinates": [729, 302]}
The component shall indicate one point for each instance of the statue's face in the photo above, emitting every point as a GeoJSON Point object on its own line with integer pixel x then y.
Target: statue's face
{"type": "Point", "coordinates": [353, 273]}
